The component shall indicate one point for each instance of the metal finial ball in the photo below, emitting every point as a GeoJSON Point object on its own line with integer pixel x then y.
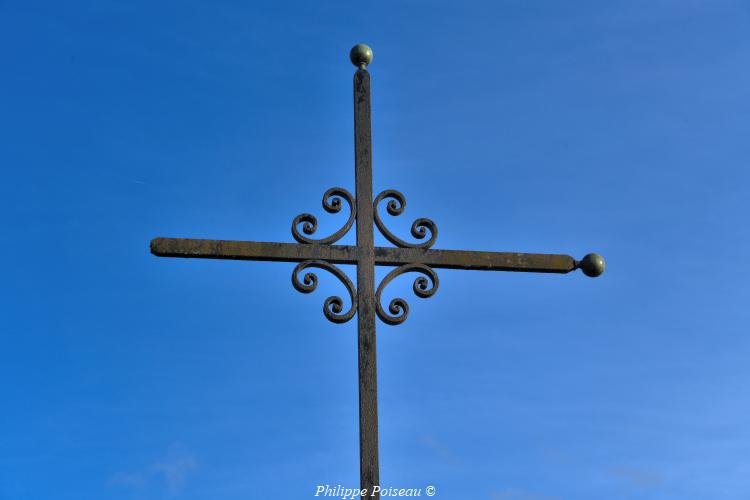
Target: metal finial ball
{"type": "Point", "coordinates": [360, 55]}
{"type": "Point", "coordinates": [592, 265]}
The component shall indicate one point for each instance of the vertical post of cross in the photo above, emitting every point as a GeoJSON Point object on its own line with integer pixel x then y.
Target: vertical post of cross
{"type": "Point", "coordinates": [361, 56]}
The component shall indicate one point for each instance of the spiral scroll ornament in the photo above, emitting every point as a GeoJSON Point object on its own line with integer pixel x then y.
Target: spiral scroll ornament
{"type": "Point", "coordinates": [334, 305]}
{"type": "Point", "coordinates": [424, 287]}
{"type": "Point", "coordinates": [395, 207]}
{"type": "Point", "coordinates": [332, 202]}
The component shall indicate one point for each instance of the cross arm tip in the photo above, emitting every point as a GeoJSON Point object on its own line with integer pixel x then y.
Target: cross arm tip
{"type": "Point", "coordinates": [592, 265]}
{"type": "Point", "coordinates": [155, 246]}
{"type": "Point", "coordinates": [168, 247]}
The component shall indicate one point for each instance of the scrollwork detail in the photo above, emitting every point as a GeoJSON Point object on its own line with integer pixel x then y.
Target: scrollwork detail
{"type": "Point", "coordinates": [395, 207]}
{"type": "Point", "coordinates": [334, 305]}
{"type": "Point", "coordinates": [398, 307]}
{"type": "Point", "coordinates": [332, 204]}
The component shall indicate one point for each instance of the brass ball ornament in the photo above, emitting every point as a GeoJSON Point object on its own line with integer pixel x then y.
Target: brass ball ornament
{"type": "Point", "coordinates": [592, 265]}
{"type": "Point", "coordinates": [360, 55]}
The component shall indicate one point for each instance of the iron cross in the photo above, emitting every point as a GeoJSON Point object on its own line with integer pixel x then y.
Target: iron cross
{"type": "Point", "coordinates": [365, 298]}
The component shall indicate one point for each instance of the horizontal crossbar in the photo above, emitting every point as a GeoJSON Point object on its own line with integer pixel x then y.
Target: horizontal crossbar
{"type": "Point", "coordinates": [347, 254]}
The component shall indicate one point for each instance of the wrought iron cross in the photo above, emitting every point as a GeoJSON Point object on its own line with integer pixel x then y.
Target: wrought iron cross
{"type": "Point", "coordinates": [365, 298]}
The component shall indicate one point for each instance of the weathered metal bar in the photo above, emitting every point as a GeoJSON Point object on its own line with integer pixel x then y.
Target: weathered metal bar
{"type": "Point", "coordinates": [369, 474]}
{"type": "Point", "coordinates": [252, 250]}
{"type": "Point", "coordinates": [478, 261]}
{"type": "Point", "coordinates": [346, 254]}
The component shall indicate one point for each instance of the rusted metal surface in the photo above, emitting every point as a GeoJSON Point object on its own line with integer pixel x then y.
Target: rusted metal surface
{"type": "Point", "coordinates": [369, 472]}
{"type": "Point", "coordinates": [333, 306]}
{"type": "Point", "coordinates": [347, 254]}
{"type": "Point", "coordinates": [420, 228]}
{"type": "Point", "coordinates": [398, 309]}
{"type": "Point", "coordinates": [331, 204]}
{"type": "Point", "coordinates": [314, 252]}
{"type": "Point", "coordinates": [476, 261]}
{"type": "Point", "coordinates": [251, 250]}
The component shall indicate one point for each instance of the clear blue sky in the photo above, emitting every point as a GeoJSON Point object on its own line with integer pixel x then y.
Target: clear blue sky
{"type": "Point", "coordinates": [554, 127]}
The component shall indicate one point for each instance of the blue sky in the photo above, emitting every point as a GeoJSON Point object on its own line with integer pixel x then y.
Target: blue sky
{"type": "Point", "coordinates": [553, 127]}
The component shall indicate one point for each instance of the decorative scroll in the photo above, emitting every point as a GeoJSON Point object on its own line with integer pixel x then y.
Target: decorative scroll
{"type": "Point", "coordinates": [334, 305]}
{"type": "Point", "coordinates": [424, 287]}
{"type": "Point", "coordinates": [395, 207]}
{"type": "Point", "coordinates": [332, 204]}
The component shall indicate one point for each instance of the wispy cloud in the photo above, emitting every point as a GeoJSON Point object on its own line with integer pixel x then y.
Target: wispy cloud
{"type": "Point", "coordinates": [175, 469]}
{"type": "Point", "coordinates": [170, 473]}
